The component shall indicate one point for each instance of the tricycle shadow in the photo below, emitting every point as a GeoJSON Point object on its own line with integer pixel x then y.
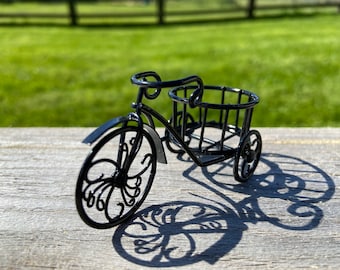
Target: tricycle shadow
{"type": "Point", "coordinates": [286, 194]}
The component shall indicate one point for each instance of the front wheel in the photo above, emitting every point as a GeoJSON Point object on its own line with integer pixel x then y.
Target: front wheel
{"type": "Point", "coordinates": [247, 156]}
{"type": "Point", "coordinates": [116, 177]}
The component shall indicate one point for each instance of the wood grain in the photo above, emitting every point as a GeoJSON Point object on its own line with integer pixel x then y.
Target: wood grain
{"type": "Point", "coordinates": [286, 217]}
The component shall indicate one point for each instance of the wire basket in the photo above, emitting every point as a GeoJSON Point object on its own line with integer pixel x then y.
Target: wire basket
{"type": "Point", "coordinates": [225, 108]}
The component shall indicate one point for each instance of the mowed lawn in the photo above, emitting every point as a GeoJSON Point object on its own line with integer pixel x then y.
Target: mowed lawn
{"type": "Point", "coordinates": [80, 76]}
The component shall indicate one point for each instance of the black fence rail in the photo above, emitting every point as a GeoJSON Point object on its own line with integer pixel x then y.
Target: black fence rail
{"type": "Point", "coordinates": [293, 5]}
{"type": "Point", "coordinates": [160, 14]}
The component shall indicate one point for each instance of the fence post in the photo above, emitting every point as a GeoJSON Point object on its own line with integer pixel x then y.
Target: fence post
{"type": "Point", "coordinates": [73, 12]}
{"type": "Point", "coordinates": [251, 9]}
{"type": "Point", "coordinates": [160, 9]}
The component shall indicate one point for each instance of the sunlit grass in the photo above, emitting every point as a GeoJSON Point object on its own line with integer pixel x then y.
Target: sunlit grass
{"type": "Point", "coordinates": [61, 76]}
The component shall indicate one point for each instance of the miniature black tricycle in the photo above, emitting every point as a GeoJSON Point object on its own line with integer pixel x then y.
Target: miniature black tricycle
{"type": "Point", "coordinates": [208, 123]}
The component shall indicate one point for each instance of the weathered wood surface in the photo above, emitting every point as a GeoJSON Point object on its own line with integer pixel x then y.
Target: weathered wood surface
{"type": "Point", "coordinates": [286, 217]}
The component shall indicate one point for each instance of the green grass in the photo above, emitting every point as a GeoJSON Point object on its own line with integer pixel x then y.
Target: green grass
{"type": "Point", "coordinates": [64, 76]}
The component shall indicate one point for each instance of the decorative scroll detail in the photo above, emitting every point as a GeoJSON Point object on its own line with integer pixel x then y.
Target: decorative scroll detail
{"type": "Point", "coordinates": [171, 234]}
{"type": "Point", "coordinates": [115, 189]}
{"type": "Point", "coordinates": [250, 156]}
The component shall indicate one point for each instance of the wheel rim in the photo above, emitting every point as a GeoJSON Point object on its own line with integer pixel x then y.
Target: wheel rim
{"type": "Point", "coordinates": [247, 156]}
{"type": "Point", "coordinates": [116, 177]}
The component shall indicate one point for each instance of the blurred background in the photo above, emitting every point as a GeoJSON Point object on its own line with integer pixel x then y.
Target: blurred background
{"type": "Point", "coordinates": [69, 63]}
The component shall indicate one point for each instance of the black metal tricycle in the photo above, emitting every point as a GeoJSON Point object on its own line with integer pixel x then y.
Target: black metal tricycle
{"type": "Point", "coordinates": [208, 123]}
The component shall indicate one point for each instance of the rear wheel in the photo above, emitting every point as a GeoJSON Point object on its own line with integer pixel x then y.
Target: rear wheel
{"type": "Point", "coordinates": [116, 177]}
{"type": "Point", "coordinates": [247, 156]}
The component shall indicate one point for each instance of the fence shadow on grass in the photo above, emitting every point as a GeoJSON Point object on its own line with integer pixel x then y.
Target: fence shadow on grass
{"type": "Point", "coordinates": [286, 194]}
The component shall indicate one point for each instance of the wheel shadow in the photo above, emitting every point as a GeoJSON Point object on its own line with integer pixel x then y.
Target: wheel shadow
{"type": "Point", "coordinates": [286, 194]}
{"type": "Point", "coordinates": [170, 234]}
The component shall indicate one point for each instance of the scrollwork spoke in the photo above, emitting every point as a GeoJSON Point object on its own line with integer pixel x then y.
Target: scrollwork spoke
{"type": "Point", "coordinates": [100, 178]}
{"type": "Point", "coordinates": [90, 195]}
{"type": "Point", "coordinates": [245, 168]}
{"type": "Point", "coordinates": [130, 192]}
{"type": "Point", "coordinates": [116, 177]}
{"type": "Point", "coordinates": [146, 167]}
{"type": "Point", "coordinates": [248, 155]}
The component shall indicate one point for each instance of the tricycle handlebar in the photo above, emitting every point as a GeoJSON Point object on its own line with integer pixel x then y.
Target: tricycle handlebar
{"type": "Point", "coordinates": [140, 79]}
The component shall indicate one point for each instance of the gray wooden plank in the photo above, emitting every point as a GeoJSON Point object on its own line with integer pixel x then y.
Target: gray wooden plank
{"type": "Point", "coordinates": [287, 216]}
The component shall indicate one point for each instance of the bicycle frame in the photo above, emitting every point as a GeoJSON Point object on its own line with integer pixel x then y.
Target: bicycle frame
{"type": "Point", "coordinates": [151, 114]}
{"type": "Point", "coordinates": [123, 160]}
